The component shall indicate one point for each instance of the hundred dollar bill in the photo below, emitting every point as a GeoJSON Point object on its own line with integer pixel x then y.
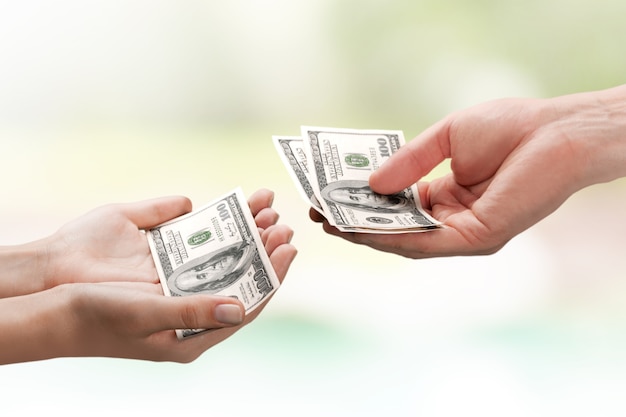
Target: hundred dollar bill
{"type": "Point", "coordinates": [341, 161]}
{"type": "Point", "coordinates": [217, 250]}
{"type": "Point", "coordinates": [293, 154]}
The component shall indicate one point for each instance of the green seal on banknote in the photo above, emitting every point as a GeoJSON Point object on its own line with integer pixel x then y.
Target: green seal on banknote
{"type": "Point", "coordinates": [357, 160]}
{"type": "Point", "coordinates": [199, 238]}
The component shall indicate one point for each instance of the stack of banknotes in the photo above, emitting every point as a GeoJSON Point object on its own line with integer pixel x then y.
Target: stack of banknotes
{"type": "Point", "coordinates": [331, 169]}
{"type": "Point", "coordinates": [216, 250]}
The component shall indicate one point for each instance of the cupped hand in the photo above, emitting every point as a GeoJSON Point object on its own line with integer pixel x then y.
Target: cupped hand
{"type": "Point", "coordinates": [134, 320]}
{"type": "Point", "coordinates": [108, 244]}
{"type": "Point", "coordinates": [126, 315]}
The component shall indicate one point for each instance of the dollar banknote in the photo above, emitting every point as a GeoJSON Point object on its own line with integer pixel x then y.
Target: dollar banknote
{"type": "Point", "coordinates": [331, 167]}
{"type": "Point", "coordinates": [293, 154]}
{"type": "Point", "coordinates": [217, 250]}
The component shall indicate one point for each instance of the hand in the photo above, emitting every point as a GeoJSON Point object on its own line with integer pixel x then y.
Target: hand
{"type": "Point", "coordinates": [145, 330]}
{"type": "Point", "coordinates": [513, 162]}
{"type": "Point", "coordinates": [104, 245]}
{"type": "Point", "coordinates": [130, 317]}
{"type": "Point", "coordinates": [108, 244]}
{"type": "Point", "coordinates": [125, 320]}
{"type": "Point", "coordinates": [134, 320]}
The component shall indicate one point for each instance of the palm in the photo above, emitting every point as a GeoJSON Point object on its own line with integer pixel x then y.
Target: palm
{"type": "Point", "coordinates": [104, 245]}
{"type": "Point", "coordinates": [452, 204]}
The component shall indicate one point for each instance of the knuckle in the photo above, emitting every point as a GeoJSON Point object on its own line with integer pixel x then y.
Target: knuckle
{"type": "Point", "coordinates": [190, 316]}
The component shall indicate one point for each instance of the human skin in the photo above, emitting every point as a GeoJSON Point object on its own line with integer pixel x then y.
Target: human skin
{"type": "Point", "coordinates": [91, 289]}
{"type": "Point", "coordinates": [513, 162]}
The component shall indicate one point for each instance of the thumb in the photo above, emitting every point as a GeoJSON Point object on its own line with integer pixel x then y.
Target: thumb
{"type": "Point", "coordinates": [193, 312]}
{"type": "Point", "coordinates": [148, 213]}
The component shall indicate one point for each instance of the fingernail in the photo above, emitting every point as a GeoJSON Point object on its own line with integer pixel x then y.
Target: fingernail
{"type": "Point", "coordinates": [228, 314]}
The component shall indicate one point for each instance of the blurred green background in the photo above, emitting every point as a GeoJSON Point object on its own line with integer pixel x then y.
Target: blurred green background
{"type": "Point", "coordinates": [110, 101]}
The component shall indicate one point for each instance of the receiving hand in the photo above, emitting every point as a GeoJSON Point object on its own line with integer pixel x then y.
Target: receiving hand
{"type": "Point", "coordinates": [102, 295]}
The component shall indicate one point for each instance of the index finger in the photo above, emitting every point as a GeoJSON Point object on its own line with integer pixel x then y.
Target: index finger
{"type": "Point", "coordinates": [414, 160]}
{"type": "Point", "coordinates": [260, 200]}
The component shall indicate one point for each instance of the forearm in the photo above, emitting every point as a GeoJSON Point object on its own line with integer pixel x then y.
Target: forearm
{"type": "Point", "coordinates": [22, 268]}
{"type": "Point", "coordinates": [33, 327]}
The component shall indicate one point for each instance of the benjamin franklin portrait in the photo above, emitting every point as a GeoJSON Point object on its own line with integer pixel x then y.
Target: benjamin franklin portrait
{"type": "Point", "coordinates": [358, 194]}
{"type": "Point", "coordinates": [213, 272]}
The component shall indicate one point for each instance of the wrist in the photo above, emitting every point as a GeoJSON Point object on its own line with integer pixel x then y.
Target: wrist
{"type": "Point", "coordinates": [36, 326]}
{"type": "Point", "coordinates": [612, 144]}
{"type": "Point", "coordinates": [595, 124]}
{"type": "Point", "coordinates": [24, 268]}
